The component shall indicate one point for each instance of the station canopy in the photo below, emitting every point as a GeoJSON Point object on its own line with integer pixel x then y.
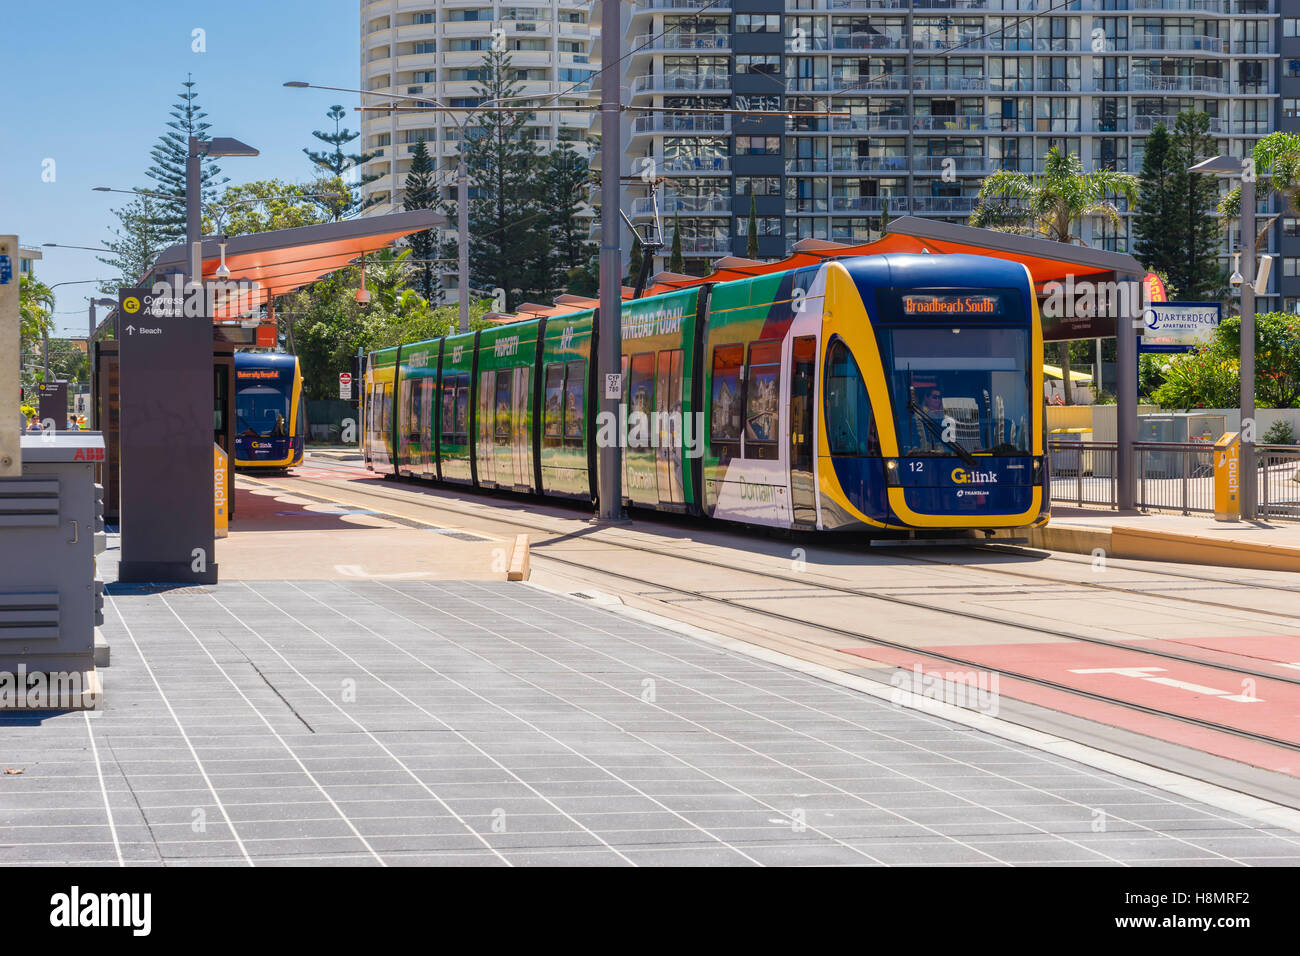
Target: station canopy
{"type": "Point", "coordinates": [1046, 260]}
{"type": "Point", "coordinates": [284, 260]}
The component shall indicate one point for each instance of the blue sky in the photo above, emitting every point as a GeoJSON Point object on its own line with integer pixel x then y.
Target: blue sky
{"type": "Point", "coordinates": [95, 81]}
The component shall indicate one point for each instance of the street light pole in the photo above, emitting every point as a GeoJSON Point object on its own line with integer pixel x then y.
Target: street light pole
{"type": "Point", "coordinates": [462, 234]}
{"type": "Point", "coordinates": [609, 365]}
{"type": "Point", "coordinates": [1249, 479]}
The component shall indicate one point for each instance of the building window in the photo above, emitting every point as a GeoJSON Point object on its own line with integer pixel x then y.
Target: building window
{"type": "Point", "coordinates": [758, 23]}
{"type": "Point", "coordinates": [1291, 26]}
{"type": "Point", "coordinates": [1290, 266]}
{"type": "Point", "coordinates": [758, 145]}
{"type": "Point", "coordinates": [1291, 227]}
{"type": "Point", "coordinates": [758, 185]}
{"type": "Point", "coordinates": [759, 63]}
{"type": "Point", "coordinates": [1291, 108]}
{"type": "Point", "coordinates": [767, 226]}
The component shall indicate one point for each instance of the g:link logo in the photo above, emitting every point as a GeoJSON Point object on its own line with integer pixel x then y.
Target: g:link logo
{"type": "Point", "coordinates": [961, 476]}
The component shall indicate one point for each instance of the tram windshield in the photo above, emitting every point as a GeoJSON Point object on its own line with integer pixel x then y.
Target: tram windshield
{"type": "Point", "coordinates": [262, 411]}
{"type": "Point", "coordinates": [958, 390]}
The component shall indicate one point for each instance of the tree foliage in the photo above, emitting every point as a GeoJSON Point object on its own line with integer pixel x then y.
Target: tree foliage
{"type": "Point", "coordinates": [422, 193]}
{"type": "Point", "coordinates": [1051, 203]}
{"type": "Point", "coordinates": [1276, 160]}
{"type": "Point", "coordinates": [137, 240]}
{"type": "Point", "coordinates": [1209, 377]}
{"type": "Point", "coordinates": [269, 204]}
{"type": "Point", "coordinates": [1190, 228]}
{"type": "Point", "coordinates": [168, 169]}
{"type": "Point", "coordinates": [335, 163]}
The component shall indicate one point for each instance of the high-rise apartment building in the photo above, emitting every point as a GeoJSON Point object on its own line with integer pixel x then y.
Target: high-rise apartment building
{"type": "Point", "coordinates": [435, 49]}
{"type": "Point", "coordinates": [926, 98]}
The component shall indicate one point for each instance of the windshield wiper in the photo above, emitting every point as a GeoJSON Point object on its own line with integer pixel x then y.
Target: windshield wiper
{"type": "Point", "coordinates": [967, 458]}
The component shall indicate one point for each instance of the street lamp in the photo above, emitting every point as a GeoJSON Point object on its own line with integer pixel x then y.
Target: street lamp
{"type": "Point", "coordinates": [1232, 166]}
{"type": "Point", "coordinates": [462, 174]}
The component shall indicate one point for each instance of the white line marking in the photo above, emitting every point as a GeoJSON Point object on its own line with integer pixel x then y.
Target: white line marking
{"type": "Point", "coordinates": [365, 730]}
{"type": "Point", "coordinates": [181, 727]}
{"type": "Point", "coordinates": [103, 788]}
{"type": "Point", "coordinates": [284, 743]}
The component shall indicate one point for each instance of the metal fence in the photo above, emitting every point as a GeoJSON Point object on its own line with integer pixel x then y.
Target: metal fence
{"type": "Point", "coordinates": [1082, 472]}
{"type": "Point", "coordinates": [1170, 476]}
{"type": "Point", "coordinates": [1279, 481]}
{"type": "Point", "coordinates": [1175, 476]}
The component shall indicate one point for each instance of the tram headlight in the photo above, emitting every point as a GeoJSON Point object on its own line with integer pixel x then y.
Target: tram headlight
{"type": "Point", "coordinates": [891, 472]}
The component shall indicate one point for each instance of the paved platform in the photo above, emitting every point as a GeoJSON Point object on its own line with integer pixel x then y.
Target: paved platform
{"type": "Point", "coordinates": [1190, 539]}
{"type": "Point", "coordinates": [490, 723]}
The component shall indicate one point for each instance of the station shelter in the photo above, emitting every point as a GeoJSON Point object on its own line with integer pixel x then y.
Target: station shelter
{"type": "Point", "coordinates": [261, 266]}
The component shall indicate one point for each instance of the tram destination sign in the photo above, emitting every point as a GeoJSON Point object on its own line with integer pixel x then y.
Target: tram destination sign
{"type": "Point", "coordinates": [165, 371]}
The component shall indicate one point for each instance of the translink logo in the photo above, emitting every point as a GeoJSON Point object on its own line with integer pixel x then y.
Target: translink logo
{"type": "Point", "coordinates": [963, 477]}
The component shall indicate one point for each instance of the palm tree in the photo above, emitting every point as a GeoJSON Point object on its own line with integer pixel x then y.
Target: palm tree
{"type": "Point", "coordinates": [1049, 204]}
{"type": "Point", "coordinates": [1277, 168]}
{"type": "Point", "coordinates": [387, 273]}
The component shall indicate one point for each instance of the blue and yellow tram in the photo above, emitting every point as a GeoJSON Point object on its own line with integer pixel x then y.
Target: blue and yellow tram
{"type": "Point", "coordinates": [887, 394]}
{"type": "Point", "coordinates": [270, 415]}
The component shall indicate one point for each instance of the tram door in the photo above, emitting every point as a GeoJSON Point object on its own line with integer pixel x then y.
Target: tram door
{"type": "Point", "coordinates": [803, 402]}
{"type": "Point", "coordinates": [428, 468]}
{"type": "Point", "coordinates": [668, 445]}
{"type": "Point", "coordinates": [521, 433]}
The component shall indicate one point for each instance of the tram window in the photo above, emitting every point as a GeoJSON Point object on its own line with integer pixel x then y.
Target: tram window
{"type": "Point", "coordinates": [462, 408]}
{"type": "Point", "coordinates": [641, 401]}
{"type": "Point", "coordinates": [575, 406]}
{"type": "Point", "coordinates": [850, 427]}
{"type": "Point", "coordinates": [504, 378]}
{"type": "Point", "coordinates": [553, 415]}
{"type": "Point", "coordinates": [724, 425]}
{"type": "Point", "coordinates": [762, 400]}
{"type": "Point", "coordinates": [448, 409]}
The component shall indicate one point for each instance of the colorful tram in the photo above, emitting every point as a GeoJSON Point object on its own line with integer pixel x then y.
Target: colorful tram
{"type": "Point", "coordinates": [887, 394]}
{"type": "Point", "coordinates": [270, 415]}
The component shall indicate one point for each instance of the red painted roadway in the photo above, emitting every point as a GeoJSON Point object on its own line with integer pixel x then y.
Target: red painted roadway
{"type": "Point", "coordinates": [1259, 705]}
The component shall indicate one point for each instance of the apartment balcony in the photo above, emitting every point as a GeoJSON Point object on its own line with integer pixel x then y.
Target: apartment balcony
{"type": "Point", "coordinates": [866, 5]}
{"type": "Point", "coordinates": [951, 83]}
{"type": "Point", "coordinates": [944, 205]}
{"type": "Point", "coordinates": [939, 165]}
{"type": "Point", "coordinates": [861, 204]}
{"type": "Point", "coordinates": [1177, 44]}
{"type": "Point", "coordinates": [1192, 6]}
{"type": "Point", "coordinates": [699, 123]}
{"type": "Point", "coordinates": [867, 41]}
{"type": "Point", "coordinates": [681, 83]}
{"type": "Point", "coordinates": [920, 5]}
{"type": "Point", "coordinates": [805, 125]}
{"type": "Point", "coordinates": [952, 123]}
{"type": "Point", "coordinates": [683, 205]}
{"type": "Point", "coordinates": [682, 42]}
{"type": "Point", "coordinates": [675, 6]}
{"type": "Point", "coordinates": [1145, 124]}
{"type": "Point", "coordinates": [1156, 83]}
{"type": "Point", "coordinates": [694, 165]}
{"type": "Point", "coordinates": [707, 246]}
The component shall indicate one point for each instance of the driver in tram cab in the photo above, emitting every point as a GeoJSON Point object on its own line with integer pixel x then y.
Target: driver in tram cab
{"type": "Point", "coordinates": [930, 402]}
{"type": "Point", "coordinates": [278, 431]}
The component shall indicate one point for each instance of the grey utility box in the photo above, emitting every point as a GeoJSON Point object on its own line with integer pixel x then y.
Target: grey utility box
{"type": "Point", "coordinates": [1178, 428]}
{"type": "Point", "coordinates": [51, 528]}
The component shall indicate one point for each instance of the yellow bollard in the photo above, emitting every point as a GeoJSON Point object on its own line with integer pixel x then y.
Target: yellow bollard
{"type": "Point", "coordinates": [1227, 477]}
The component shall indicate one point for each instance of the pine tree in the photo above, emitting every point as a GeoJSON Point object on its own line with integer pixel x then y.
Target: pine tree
{"type": "Point", "coordinates": [885, 217]}
{"type": "Point", "coordinates": [138, 240]}
{"type": "Point", "coordinates": [1154, 243]}
{"type": "Point", "coordinates": [509, 242]}
{"type": "Point", "coordinates": [338, 163]}
{"type": "Point", "coordinates": [1193, 225]}
{"type": "Point", "coordinates": [751, 242]}
{"type": "Point", "coordinates": [421, 193]}
{"type": "Point", "coordinates": [633, 262]}
{"type": "Point", "coordinates": [168, 170]}
{"type": "Point", "coordinates": [675, 261]}
{"type": "Point", "coordinates": [563, 184]}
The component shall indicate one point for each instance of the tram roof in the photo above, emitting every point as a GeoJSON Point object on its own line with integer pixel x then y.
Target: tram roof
{"type": "Point", "coordinates": [1046, 260]}
{"type": "Point", "coordinates": [284, 260]}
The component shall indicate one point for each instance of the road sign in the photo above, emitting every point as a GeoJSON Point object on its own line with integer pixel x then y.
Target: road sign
{"type": "Point", "coordinates": [345, 386]}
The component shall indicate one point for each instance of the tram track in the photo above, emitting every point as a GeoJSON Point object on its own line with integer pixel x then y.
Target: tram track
{"type": "Point", "coordinates": [544, 554]}
{"type": "Point", "coordinates": [538, 550]}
